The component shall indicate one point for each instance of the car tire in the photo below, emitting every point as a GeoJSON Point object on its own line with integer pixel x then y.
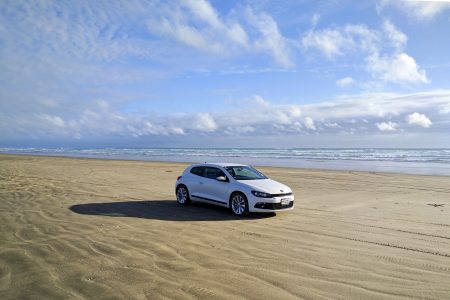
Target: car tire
{"type": "Point", "coordinates": [182, 194]}
{"type": "Point", "coordinates": [239, 204]}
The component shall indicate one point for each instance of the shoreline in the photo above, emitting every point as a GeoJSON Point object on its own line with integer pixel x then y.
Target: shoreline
{"type": "Point", "coordinates": [192, 162]}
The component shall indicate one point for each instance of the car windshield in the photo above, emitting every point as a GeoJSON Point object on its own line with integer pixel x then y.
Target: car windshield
{"type": "Point", "coordinates": [244, 173]}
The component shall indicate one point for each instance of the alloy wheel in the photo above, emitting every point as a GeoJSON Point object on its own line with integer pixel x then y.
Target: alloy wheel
{"type": "Point", "coordinates": [182, 195]}
{"type": "Point", "coordinates": [238, 205]}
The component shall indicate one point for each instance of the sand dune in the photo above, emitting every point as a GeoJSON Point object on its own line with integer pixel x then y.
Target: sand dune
{"type": "Point", "coordinates": [85, 228]}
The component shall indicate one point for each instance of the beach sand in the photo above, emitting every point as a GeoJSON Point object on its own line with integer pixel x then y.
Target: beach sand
{"type": "Point", "coordinates": [87, 228]}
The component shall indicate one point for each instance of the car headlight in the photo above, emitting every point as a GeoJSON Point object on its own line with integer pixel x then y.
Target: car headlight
{"type": "Point", "coordinates": [261, 194]}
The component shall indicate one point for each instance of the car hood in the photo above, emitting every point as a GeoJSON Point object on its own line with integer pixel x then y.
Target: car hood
{"type": "Point", "coordinates": [266, 185]}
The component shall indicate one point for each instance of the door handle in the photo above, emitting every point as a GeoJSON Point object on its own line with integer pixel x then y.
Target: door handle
{"type": "Point", "coordinates": [201, 182]}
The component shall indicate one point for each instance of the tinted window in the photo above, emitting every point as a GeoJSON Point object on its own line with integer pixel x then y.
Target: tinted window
{"type": "Point", "coordinates": [197, 171]}
{"type": "Point", "coordinates": [213, 173]}
{"type": "Point", "coordinates": [244, 173]}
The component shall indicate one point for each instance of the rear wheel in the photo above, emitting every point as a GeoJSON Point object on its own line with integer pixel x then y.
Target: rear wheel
{"type": "Point", "coordinates": [239, 204]}
{"type": "Point", "coordinates": [183, 195]}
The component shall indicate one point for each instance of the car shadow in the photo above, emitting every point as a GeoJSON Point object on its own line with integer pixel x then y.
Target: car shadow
{"type": "Point", "coordinates": [168, 210]}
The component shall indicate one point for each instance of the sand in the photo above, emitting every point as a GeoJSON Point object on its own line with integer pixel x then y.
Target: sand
{"type": "Point", "coordinates": [86, 228]}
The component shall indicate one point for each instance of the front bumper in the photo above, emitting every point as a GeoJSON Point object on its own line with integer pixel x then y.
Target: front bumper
{"type": "Point", "coordinates": [268, 205]}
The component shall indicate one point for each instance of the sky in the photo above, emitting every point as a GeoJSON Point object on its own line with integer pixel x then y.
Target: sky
{"type": "Point", "coordinates": [197, 73]}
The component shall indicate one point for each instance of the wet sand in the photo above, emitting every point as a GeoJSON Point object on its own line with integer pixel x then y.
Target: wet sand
{"type": "Point", "coordinates": [87, 228]}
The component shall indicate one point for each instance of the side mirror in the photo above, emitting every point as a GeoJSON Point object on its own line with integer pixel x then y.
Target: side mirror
{"type": "Point", "coordinates": [221, 178]}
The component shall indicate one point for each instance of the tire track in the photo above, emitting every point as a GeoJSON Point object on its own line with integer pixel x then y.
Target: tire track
{"type": "Point", "coordinates": [437, 253]}
{"type": "Point", "coordinates": [392, 229]}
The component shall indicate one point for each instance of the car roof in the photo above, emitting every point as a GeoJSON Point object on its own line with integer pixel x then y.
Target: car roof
{"type": "Point", "coordinates": [219, 165]}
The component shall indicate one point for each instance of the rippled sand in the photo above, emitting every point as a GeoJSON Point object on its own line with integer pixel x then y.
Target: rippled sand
{"type": "Point", "coordinates": [85, 228]}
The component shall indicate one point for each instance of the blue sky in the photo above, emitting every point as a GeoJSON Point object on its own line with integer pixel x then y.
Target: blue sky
{"type": "Point", "coordinates": [225, 74]}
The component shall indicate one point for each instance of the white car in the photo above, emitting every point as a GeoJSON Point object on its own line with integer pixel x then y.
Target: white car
{"type": "Point", "coordinates": [239, 187]}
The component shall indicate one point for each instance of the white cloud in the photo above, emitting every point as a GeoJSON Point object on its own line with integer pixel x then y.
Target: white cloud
{"type": "Point", "coordinates": [240, 130]}
{"type": "Point", "coordinates": [309, 123]}
{"type": "Point", "coordinates": [270, 40]}
{"type": "Point", "coordinates": [387, 126]}
{"type": "Point", "coordinates": [84, 39]}
{"type": "Point", "coordinates": [397, 67]}
{"type": "Point", "coordinates": [419, 119]}
{"type": "Point", "coordinates": [203, 10]}
{"type": "Point", "coordinates": [53, 120]}
{"type": "Point", "coordinates": [444, 109]}
{"type": "Point", "coordinates": [258, 111]}
{"type": "Point", "coordinates": [373, 106]}
{"type": "Point", "coordinates": [79, 31]}
{"type": "Point", "coordinates": [186, 34]}
{"type": "Point", "coordinates": [421, 10]}
{"type": "Point", "coordinates": [68, 54]}
{"type": "Point", "coordinates": [334, 42]}
{"type": "Point", "coordinates": [328, 41]}
{"type": "Point", "coordinates": [197, 24]}
{"type": "Point", "coordinates": [398, 38]}
{"type": "Point", "coordinates": [294, 111]}
{"type": "Point", "coordinates": [382, 51]}
{"type": "Point", "coordinates": [358, 114]}
{"type": "Point", "coordinates": [204, 122]}
{"type": "Point", "coordinates": [400, 68]}
{"type": "Point", "coordinates": [345, 82]}
{"type": "Point", "coordinates": [332, 125]}
{"type": "Point", "coordinates": [258, 100]}
{"type": "Point", "coordinates": [315, 20]}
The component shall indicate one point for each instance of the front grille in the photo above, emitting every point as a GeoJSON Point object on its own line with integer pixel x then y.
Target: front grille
{"type": "Point", "coordinates": [273, 206]}
{"type": "Point", "coordinates": [280, 195]}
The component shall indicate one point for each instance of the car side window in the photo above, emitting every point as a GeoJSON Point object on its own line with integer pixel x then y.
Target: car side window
{"type": "Point", "coordinates": [198, 171]}
{"type": "Point", "coordinates": [213, 173]}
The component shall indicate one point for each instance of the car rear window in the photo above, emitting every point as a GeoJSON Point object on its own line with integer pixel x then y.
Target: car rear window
{"type": "Point", "coordinates": [197, 171]}
{"type": "Point", "coordinates": [213, 173]}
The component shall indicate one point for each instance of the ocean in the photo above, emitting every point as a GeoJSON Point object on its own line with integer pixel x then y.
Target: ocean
{"type": "Point", "coordinates": [409, 161]}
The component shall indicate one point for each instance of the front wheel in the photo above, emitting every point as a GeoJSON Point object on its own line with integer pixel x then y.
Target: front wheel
{"type": "Point", "coordinates": [239, 204]}
{"type": "Point", "coordinates": [183, 195]}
